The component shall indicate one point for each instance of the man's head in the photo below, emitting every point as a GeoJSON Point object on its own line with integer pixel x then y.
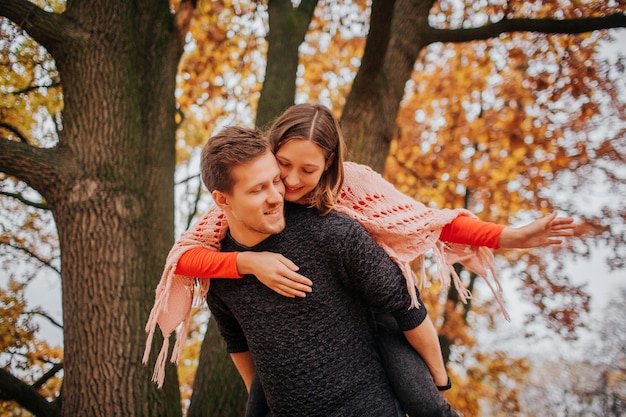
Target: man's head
{"type": "Point", "coordinates": [240, 170]}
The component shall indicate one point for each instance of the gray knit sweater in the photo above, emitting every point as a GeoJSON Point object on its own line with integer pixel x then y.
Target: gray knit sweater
{"type": "Point", "coordinates": [317, 356]}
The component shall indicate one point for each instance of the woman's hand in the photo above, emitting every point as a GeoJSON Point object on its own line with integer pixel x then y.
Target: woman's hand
{"type": "Point", "coordinates": [541, 232]}
{"type": "Point", "coordinates": [275, 272]}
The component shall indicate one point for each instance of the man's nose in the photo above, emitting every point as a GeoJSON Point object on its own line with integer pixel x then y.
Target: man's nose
{"type": "Point", "coordinates": [277, 192]}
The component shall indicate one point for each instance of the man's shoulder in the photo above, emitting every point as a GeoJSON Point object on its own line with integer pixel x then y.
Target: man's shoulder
{"type": "Point", "coordinates": [332, 225]}
{"type": "Point", "coordinates": [303, 213]}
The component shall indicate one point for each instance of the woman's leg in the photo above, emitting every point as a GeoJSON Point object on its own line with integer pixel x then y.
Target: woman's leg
{"type": "Point", "coordinates": [408, 374]}
{"type": "Point", "coordinates": [257, 403]}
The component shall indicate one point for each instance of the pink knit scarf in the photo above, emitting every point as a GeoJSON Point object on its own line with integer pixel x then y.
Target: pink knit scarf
{"type": "Point", "coordinates": [403, 227]}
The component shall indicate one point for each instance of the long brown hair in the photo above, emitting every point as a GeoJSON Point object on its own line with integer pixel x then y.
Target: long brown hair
{"type": "Point", "coordinates": [316, 123]}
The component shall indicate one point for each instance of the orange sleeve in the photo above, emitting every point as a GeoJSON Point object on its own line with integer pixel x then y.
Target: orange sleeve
{"type": "Point", "coordinates": [470, 231]}
{"type": "Point", "coordinates": [206, 263]}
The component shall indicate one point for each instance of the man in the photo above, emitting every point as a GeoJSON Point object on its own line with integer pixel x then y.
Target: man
{"type": "Point", "coordinates": [315, 356]}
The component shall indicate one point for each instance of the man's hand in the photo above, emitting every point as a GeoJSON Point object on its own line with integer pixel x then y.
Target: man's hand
{"type": "Point", "coordinates": [275, 272]}
{"type": "Point", "coordinates": [541, 232]}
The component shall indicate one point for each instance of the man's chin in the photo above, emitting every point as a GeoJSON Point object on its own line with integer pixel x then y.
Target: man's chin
{"type": "Point", "coordinates": [278, 227]}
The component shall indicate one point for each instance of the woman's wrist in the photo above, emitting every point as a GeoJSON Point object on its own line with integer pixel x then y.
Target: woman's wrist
{"type": "Point", "coordinates": [446, 386]}
{"type": "Point", "coordinates": [243, 262]}
{"type": "Point", "coordinates": [508, 238]}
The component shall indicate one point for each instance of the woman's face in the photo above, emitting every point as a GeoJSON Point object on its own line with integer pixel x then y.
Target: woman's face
{"type": "Point", "coordinates": [302, 164]}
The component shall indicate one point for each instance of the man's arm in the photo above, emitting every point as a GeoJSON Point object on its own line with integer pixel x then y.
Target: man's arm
{"type": "Point", "coordinates": [245, 365]}
{"type": "Point", "coordinates": [425, 341]}
{"type": "Point", "coordinates": [232, 333]}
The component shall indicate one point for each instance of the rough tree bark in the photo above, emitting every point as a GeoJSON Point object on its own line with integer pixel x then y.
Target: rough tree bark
{"type": "Point", "coordinates": [109, 184]}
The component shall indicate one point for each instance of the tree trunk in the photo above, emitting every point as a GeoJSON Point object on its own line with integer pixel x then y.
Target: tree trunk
{"type": "Point", "coordinates": [288, 25]}
{"type": "Point", "coordinates": [109, 184]}
{"type": "Point", "coordinates": [395, 40]}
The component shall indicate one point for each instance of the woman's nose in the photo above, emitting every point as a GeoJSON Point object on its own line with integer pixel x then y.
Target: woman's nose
{"type": "Point", "coordinates": [291, 179]}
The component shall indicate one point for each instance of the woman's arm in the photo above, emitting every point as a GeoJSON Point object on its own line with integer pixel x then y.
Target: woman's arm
{"type": "Point", "coordinates": [245, 365]}
{"type": "Point", "coordinates": [272, 269]}
{"type": "Point", "coordinates": [206, 263]}
{"type": "Point", "coordinates": [425, 341]}
{"type": "Point", "coordinates": [470, 231]}
{"type": "Point", "coordinates": [541, 232]}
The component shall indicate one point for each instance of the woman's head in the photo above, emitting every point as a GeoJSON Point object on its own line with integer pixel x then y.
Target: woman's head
{"type": "Point", "coordinates": [308, 145]}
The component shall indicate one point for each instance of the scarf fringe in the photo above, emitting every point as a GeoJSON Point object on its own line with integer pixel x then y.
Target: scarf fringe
{"type": "Point", "coordinates": [159, 367]}
{"type": "Point", "coordinates": [411, 282]}
{"type": "Point", "coordinates": [477, 259]}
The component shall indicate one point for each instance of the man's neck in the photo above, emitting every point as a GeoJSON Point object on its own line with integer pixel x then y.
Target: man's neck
{"type": "Point", "coordinates": [246, 237]}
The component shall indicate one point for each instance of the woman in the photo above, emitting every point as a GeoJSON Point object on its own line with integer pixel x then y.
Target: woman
{"type": "Point", "coordinates": [309, 149]}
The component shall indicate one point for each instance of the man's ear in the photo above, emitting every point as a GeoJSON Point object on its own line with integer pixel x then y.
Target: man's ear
{"type": "Point", "coordinates": [220, 199]}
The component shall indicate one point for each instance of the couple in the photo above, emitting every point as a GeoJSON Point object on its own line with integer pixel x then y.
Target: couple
{"type": "Point", "coordinates": [318, 355]}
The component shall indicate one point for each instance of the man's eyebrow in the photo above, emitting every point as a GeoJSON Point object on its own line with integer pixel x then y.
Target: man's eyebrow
{"type": "Point", "coordinates": [264, 182]}
{"type": "Point", "coordinates": [256, 185]}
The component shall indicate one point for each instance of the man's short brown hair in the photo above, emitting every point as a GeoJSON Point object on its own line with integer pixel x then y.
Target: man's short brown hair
{"type": "Point", "coordinates": [231, 147]}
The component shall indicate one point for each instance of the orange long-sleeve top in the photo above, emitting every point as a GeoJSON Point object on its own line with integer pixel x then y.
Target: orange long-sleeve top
{"type": "Point", "coordinates": [206, 263]}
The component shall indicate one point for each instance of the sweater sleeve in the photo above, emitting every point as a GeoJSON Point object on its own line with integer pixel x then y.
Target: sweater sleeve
{"type": "Point", "coordinates": [205, 263]}
{"type": "Point", "coordinates": [227, 325]}
{"type": "Point", "coordinates": [470, 231]}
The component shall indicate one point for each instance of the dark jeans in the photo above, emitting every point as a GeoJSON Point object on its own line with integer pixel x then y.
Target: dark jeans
{"type": "Point", "coordinates": [257, 403]}
{"type": "Point", "coordinates": [407, 373]}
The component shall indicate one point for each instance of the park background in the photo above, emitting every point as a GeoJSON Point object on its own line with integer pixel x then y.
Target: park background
{"type": "Point", "coordinates": [510, 124]}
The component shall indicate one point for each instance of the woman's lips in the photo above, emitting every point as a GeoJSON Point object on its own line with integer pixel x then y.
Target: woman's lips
{"type": "Point", "coordinates": [293, 190]}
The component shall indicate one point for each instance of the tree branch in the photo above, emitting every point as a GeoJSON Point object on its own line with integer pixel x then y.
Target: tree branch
{"type": "Point", "coordinates": [38, 167]}
{"type": "Point", "coordinates": [26, 396]}
{"type": "Point", "coordinates": [44, 315]}
{"type": "Point", "coordinates": [34, 87]}
{"type": "Point", "coordinates": [15, 131]}
{"type": "Point", "coordinates": [48, 29]}
{"type": "Point", "coordinates": [567, 26]}
{"type": "Point", "coordinates": [195, 205]}
{"type": "Point", "coordinates": [21, 199]}
{"type": "Point", "coordinates": [34, 256]}
{"type": "Point", "coordinates": [45, 377]}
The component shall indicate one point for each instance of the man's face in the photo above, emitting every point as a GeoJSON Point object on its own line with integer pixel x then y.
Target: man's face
{"type": "Point", "coordinates": [254, 208]}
